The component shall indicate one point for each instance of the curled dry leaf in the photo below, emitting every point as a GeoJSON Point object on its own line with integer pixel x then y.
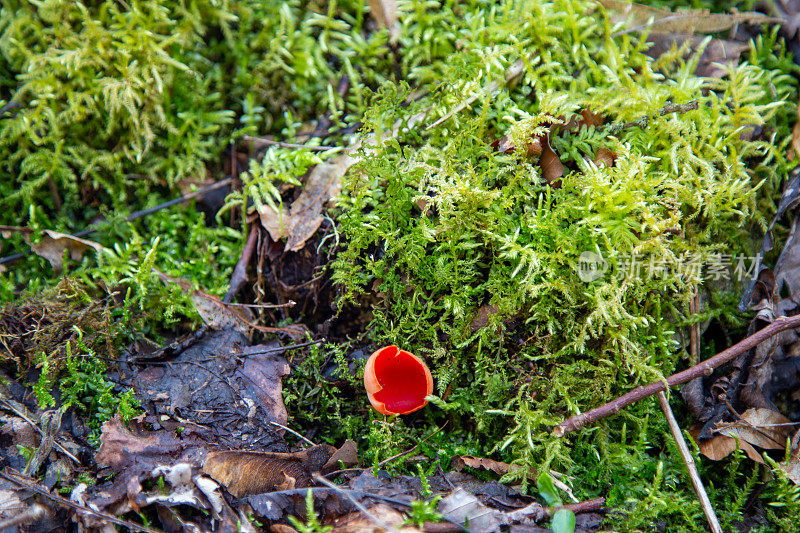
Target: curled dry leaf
{"type": "Point", "coordinates": [720, 446]}
{"type": "Point", "coordinates": [298, 222]}
{"type": "Point", "coordinates": [245, 473]}
{"type": "Point", "coordinates": [552, 168]}
{"type": "Point", "coordinates": [217, 314]}
{"type": "Point", "coordinates": [53, 244]}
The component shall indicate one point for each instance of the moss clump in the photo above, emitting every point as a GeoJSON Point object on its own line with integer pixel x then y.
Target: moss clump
{"type": "Point", "coordinates": [452, 233]}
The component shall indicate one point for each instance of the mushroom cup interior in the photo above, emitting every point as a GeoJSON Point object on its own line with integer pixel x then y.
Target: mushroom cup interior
{"type": "Point", "coordinates": [403, 381]}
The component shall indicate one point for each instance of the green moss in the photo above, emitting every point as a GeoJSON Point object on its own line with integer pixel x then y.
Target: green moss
{"type": "Point", "coordinates": [441, 225]}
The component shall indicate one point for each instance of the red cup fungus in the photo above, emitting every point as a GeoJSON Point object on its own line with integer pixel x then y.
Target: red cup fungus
{"type": "Point", "coordinates": [397, 382]}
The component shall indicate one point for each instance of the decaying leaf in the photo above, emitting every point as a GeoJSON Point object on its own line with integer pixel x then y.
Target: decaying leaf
{"type": "Point", "coordinates": [385, 13]}
{"type": "Point", "coordinates": [551, 166]}
{"type": "Point", "coordinates": [345, 457]}
{"type": "Point", "coordinates": [481, 463]}
{"type": "Point", "coordinates": [764, 428]}
{"type": "Point", "coordinates": [381, 517]}
{"type": "Point", "coordinates": [53, 244]}
{"type": "Point", "coordinates": [716, 53]}
{"type": "Point", "coordinates": [245, 473]}
{"type": "Point", "coordinates": [217, 314]}
{"type": "Point", "coordinates": [720, 446]}
{"type": "Point", "coordinates": [685, 21]}
{"type": "Point", "coordinates": [464, 508]}
{"type": "Point", "coordinates": [298, 222]}
{"type": "Point", "coordinates": [123, 450]}
{"type": "Point", "coordinates": [552, 169]}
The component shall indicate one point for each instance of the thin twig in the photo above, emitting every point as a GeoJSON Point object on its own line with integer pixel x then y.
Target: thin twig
{"type": "Point", "coordinates": [643, 121]}
{"type": "Point", "coordinates": [270, 142]}
{"type": "Point", "coordinates": [135, 215]}
{"type": "Point", "coordinates": [289, 304]}
{"type": "Point", "coordinates": [705, 503]}
{"type": "Point", "coordinates": [706, 368]}
{"type": "Point", "coordinates": [293, 432]}
{"type": "Point", "coordinates": [280, 349]}
{"type": "Point", "coordinates": [29, 484]}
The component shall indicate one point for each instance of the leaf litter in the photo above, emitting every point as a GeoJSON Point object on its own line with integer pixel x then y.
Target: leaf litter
{"type": "Point", "coordinates": [211, 438]}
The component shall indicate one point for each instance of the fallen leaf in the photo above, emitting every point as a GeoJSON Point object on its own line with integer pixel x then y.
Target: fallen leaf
{"type": "Point", "coordinates": [345, 457]}
{"type": "Point", "coordinates": [764, 428]}
{"type": "Point", "coordinates": [604, 157]}
{"type": "Point", "coordinates": [685, 21]}
{"type": "Point", "coordinates": [480, 463]}
{"type": "Point", "coordinates": [464, 508]}
{"type": "Point", "coordinates": [482, 316]}
{"type": "Point", "coordinates": [299, 221]}
{"type": "Point", "coordinates": [217, 314]}
{"type": "Point", "coordinates": [382, 517]}
{"type": "Point", "coordinates": [53, 244]}
{"type": "Point", "coordinates": [720, 446]}
{"type": "Point", "coordinates": [246, 473]}
{"type": "Point", "coordinates": [715, 54]}
{"type": "Point", "coordinates": [789, 11]}
{"type": "Point", "coordinates": [232, 390]}
{"type": "Point", "coordinates": [385, 14]}
{"type": "Point", "coordinates": [122, 450]}
{"type": "Point", "coordinates": [792, 470]}
{"type": "Point", "coordinates": [552, 169]}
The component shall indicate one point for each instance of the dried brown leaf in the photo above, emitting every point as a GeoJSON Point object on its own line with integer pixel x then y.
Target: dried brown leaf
{"type": "Point", "coordinates": [346, 455]}
{"type": "Point", "coordinates": [718, 52]}
{"type": "Point", "coordinates": [481, 463]}
{"type": "Point", "coordinates": [53, 244]}
{"type": "Point", "coordinates": [245, 473]}
{"type": "Point", "coordinates": [464, 508]}
{"type": "Point", "coordinates": [764, 428]}
{"type": "Point", "coordinates": [385, 13]}
{"type": "Point", "coordinates": [382, 515]}
{"type": "Point", "coordinates": [792, 470]}
{"type": "Point", "coordinates": [685, 21]}
{"type": "Point", "coordinates": [552, 169]}
{"type": "Point", "coordinates": [216, 314]}
{"type": "Point", "coordinates": [299, 221]}
{"type": "Point", "coordinates": [720, 446]}
{"type": "Point", "coordinates": [604, 157]}
{"type": "Point", "coordinates": [123, 450]}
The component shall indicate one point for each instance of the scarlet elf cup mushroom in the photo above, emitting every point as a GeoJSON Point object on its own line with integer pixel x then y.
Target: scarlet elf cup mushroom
{"type": "Point", "coordinates": [397, 381]}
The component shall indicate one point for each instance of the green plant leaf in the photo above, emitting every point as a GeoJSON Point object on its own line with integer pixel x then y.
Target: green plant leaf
{"type": "Point", "coordinates": [563, 521]}
{"type": "Point", "coordinates": [547, 489]}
